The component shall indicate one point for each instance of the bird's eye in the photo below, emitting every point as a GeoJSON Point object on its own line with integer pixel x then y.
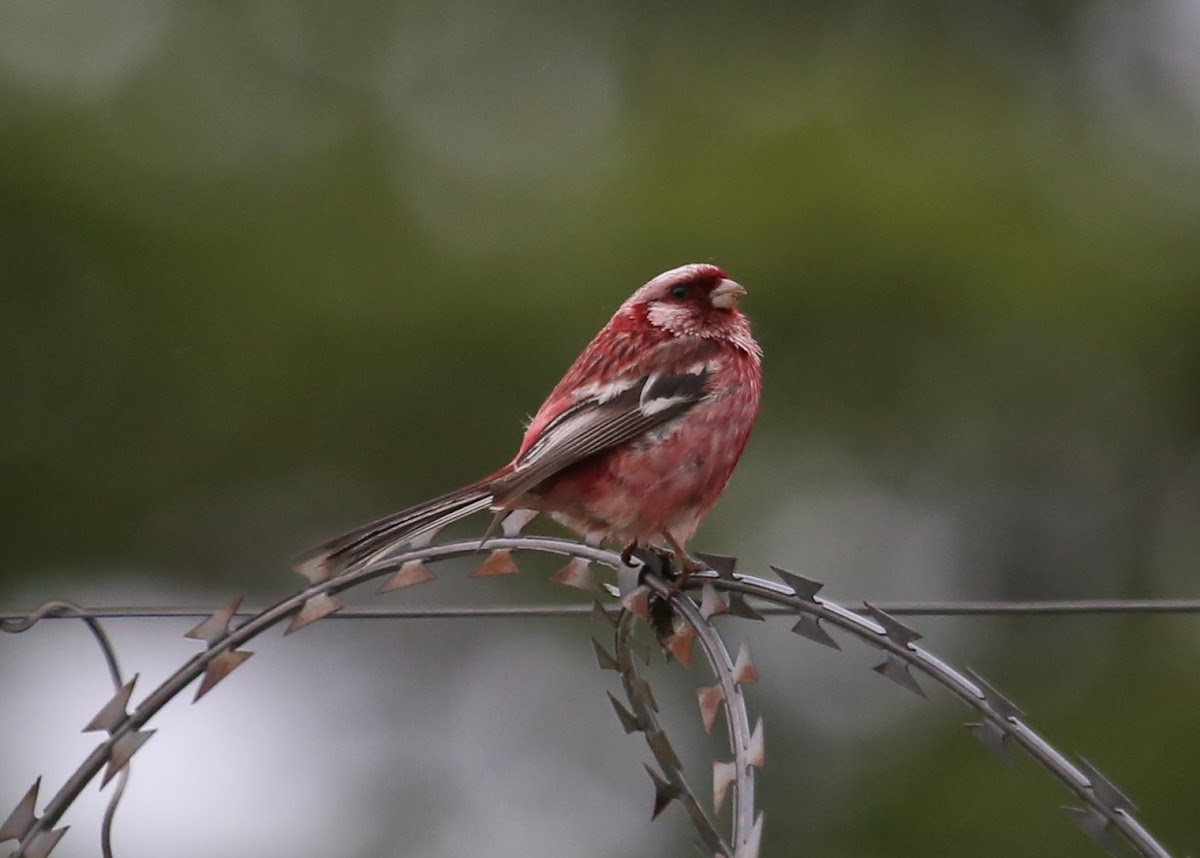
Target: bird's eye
{"type": "Point", "coordinates": [679, 292]}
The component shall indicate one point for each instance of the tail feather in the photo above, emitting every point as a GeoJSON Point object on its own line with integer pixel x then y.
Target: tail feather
{"type": "Point", "coordinates": [381, 536]}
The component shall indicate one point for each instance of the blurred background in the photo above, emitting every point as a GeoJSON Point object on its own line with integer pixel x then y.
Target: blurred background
{"type": "Point", "coordinates": [272, 268]}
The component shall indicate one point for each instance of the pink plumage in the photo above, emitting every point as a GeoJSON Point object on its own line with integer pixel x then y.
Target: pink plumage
{"type": "Point", "coordinates": [635, 443]}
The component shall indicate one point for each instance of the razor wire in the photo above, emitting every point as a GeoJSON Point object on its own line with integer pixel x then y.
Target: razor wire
{"type": "Point", "coordinates": [645, 593]}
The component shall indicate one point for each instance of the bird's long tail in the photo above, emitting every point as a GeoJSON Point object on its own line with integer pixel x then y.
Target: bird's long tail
{"type": "Point", "coordinates": [376, 539]}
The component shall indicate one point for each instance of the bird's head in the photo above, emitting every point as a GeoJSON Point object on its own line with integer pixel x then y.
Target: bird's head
{"type": "Point", "coordinates": [696, 300]}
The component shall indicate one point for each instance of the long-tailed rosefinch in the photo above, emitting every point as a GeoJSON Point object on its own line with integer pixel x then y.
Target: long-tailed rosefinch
{"type": "Point", "coordinates": [637, 441]}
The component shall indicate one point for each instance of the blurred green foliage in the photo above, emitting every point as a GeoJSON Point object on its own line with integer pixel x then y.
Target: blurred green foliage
{"type": "Point", "coordinates": [271, 268]}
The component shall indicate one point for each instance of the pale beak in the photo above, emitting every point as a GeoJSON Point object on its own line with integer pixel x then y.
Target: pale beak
{"type": "Point", "coordinates": [726, 294]}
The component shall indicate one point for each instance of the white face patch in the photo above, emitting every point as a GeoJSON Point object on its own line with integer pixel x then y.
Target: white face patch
{"type": "Point", "coordinates": [708, 366]}
{"type": "Point", "coordinates": [672, 317]}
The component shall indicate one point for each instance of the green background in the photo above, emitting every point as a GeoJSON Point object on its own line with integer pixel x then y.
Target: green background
{"type": "Point", "coordinates": [269, 269]}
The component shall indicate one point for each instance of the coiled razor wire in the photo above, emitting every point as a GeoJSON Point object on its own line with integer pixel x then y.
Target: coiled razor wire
{"type": "Point", "coordinates": [644, 591]}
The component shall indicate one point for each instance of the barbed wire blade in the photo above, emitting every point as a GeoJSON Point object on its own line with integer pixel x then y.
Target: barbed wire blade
{"type": "Point", "coordinates": [998, 703]}
{"type": "Point", "coordinates": [577, 573]}
{"type": "Point", "coordinates": [22, 817]}
{"type": "Point", "coordinates": [992, 738]}
{"type": "Point", "coordinates": [711, 602]}
{"type": "Point", "coordinates": [664, 792]}
{"type": "Point", "coordinates": [722, 564]}
{"type": "Point", "coordinates": [709, 697]}
{"type": "Point", "coordinates": [810, 627]}
{"type": "Point", "coordinates": [515, 522]}
{"type": "Point", "coordinates": [642, 690]}
{"type": "Point", "coordinates": [499, 562]}
{"type": "Point", "coordinates": [739, 607]}
{"type": "Point", "coordinates": [629, 576]}
{"type": "Point", "coordinates": [122, 750]}
{"type": "Point", "coordinates": [220, 667]}
{"type": "Point", "coordinates": [897, 671]}
{"type": "Point", "coordinates": [1095, 826]}
{"type": "Point", "coordinates": [753, 844]}
{"type": "Point", "coordinates": [681, 643]}
{"type": "Point", "coordinates": [744, 670]}
{"type": "Point", "coordinates": [315, 569]}
{"type": "Point", "coordinates": [599, 612]}
{"type": "Point", "coordinates": [44, 842]}
{"type": "Point", "coordinates": [216, 625]}
{"type": "Point", "coordinates": [113, 712]}
{"type": "Point", "coordinates": [637, 602]}
{"type": "Point", "coordinates": [1106, 791]}
{"type": "Point", "coordinates": [630, 723]}
{"type": "Point", "coordinates": [314, 608]}
{"type": "Point", "coordinates": [603, 658]}
{"type": "Point", "coordinates": [802, 587]}
{"type": "Point", "coordinates": [411, 572]}
{"type": "Point", "coordinates": [895, 630]}
{"type": "Point", "coordinates": [664, 751]}
{"type": "Point", "coordinates": [756, 751]}
{"type": "Point", "coordinates": [723, 775]}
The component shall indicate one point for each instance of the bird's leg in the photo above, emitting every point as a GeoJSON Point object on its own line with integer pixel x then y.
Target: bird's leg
{"type": "Point", "coordinates": [627, 553]}
{"type": "Point", "coordinates": [686, 564]}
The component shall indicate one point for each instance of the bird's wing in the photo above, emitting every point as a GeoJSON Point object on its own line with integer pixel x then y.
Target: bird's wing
{"type": "Point", "coordinates": [611, 413]}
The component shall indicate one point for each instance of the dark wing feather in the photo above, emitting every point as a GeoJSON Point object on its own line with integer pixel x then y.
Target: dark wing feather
{"type": "Point", "coordinates": [594, 425]}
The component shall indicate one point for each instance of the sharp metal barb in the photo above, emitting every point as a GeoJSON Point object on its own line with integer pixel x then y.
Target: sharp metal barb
{"type": "Point", "coordinates": [810, 627]}
{"type": "Point", "coordinates": [753, 845]}
{"type": "Point", "coordinates": [802, 588]}
{"type": "Point", "coordinates": [577, 573]}
{"type": "Point", "coordinates": [314, 570]}
{"type": "Point", "coordinates": [666, 753]}
{"type": "Point", "coordinates": [599, 612]}
{"type": "Point", "coordinates": [1106, 791]}
{"type": "Point", "coordinates": [1095, 826]}
{"type": "Point", "coordinates": [744, 670]}
{"type": "Point", "coordinates": [22, 817]}
{"type": "Point", "coordinates": [629, 722]}
{"type": "Point", "coordinates": [722, 564]}
{"type": "Point", "coordinates": [710, 698]}
{"type": "Point", "coordinates": [757, 749]}
{"type": "Point", "coordinates": [606, 660]}
{"type": "Point", "coordinates": [216, 625]}
{"type": "Point", "coordinates": [995, 700]}
{"type": "Point", "coordinates": [113, 712]}
{"type": "Point", "coordinates": [993, 738]}
{"type": "Point", "coordinates": [515, 522]}
{"type": "Point", "coordinates": [711, 602]}
{"type": "Point", "coordinates": [122, 750]}
{"type": "Point", "coordinates": [499, 562]}
{"type": "Point", "coordinates": [680, 645]}
{"type": "Point", "coordinates": [723, 775]}
{"type": "Point", "coordinates": [410, 573]}
{"type": "Point", "coordinates": [641, 688]}
{"type": "Point", "coordinates": [897, 671]}
{"type": "Point", "coordinates": [218, 668]}
{"type": "Point", "coordinates": [629, 577]}
{"type": "Point", "coordinates": [664, 792]}
{"type": "Point", "coordinates": [320, 605]}
{"type": "Point", "coordinates": [893, 628]}
{"type": "Point", "coordinates": [43, 843]}
{"type": "Point", "coordinates": [637, 602]}
{"type": "Point", "coordinates": [739, 607]}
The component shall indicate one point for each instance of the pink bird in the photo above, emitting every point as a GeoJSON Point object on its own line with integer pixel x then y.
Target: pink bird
{"type": "Point", "coordinates": [634, 444]}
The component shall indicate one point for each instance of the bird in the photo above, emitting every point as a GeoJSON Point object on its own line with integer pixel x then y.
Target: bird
{"type": "Point", "coordinates": [635, 443]}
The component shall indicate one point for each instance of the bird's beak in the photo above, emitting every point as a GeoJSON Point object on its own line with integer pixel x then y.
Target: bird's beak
{"type": "Point", "coordinates": [726, 294]}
